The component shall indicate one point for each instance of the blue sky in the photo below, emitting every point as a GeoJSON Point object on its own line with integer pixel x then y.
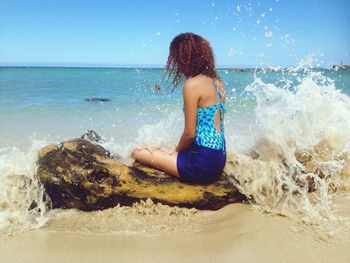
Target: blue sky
{"type": "Point", "coordinates": [121, 32]}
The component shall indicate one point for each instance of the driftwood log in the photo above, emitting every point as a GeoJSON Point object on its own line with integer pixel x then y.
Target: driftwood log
{"type": "Point", "coordinates": [82, 174]}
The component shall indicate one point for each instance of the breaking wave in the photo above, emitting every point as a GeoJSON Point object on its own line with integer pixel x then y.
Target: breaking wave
{"type": "Point", "coordinates": [298, 161]}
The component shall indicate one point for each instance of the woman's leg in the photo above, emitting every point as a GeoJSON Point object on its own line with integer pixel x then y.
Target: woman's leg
{"type": "Point", "coordinates": [158, 159]}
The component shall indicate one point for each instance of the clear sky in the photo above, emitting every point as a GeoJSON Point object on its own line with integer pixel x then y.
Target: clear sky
{"type": "Point", "coordinates": [121, 32]}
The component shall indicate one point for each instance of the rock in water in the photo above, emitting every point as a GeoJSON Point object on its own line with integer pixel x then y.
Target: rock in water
{"type": "Point", "coordinates": [97, 99]}
{"type": "Point", "coordinates": [91, 136]}
{"type": "Point", "coordinates": [83, 175]}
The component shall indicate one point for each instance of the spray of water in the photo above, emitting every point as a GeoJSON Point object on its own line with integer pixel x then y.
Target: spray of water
{"type": "Point", "coordinates": [302, 146]}
{"type": "Point", "coordinates": [23, 203]}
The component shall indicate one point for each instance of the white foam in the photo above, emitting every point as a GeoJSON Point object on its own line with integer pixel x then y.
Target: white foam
{"type": "Point", "coordinates": [312, 119]}
{"type": "Point", "coordinates": [22, 205]}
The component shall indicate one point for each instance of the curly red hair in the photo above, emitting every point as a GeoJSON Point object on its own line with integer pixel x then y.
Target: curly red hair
{"type": "Point", "coordinates": [189, 56]}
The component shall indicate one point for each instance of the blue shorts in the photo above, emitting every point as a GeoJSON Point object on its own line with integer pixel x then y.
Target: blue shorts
{"type": "Point", "coordinates": [199, 164]}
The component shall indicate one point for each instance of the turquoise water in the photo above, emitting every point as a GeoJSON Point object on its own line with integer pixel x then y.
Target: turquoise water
{"type": "Point", "coordinates": [274, 114]}
{"type": "Point", "coordinates": [50, 102]}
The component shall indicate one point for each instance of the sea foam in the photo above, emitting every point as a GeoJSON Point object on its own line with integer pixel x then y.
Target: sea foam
{"type": "Point", "coordinates": [23, 203]}
{"type": "Point", "coordinates": [302, 145]}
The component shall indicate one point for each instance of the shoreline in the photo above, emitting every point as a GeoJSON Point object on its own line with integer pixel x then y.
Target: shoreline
{"type": "Point", "coordinates": [234, 233]}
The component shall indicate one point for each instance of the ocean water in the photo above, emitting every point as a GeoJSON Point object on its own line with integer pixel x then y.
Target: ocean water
{"type": "Point", "coordinates": [275, 115]}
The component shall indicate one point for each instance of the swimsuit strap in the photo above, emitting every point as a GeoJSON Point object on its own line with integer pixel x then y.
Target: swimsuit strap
{"type": "Point", "coordinates": [222, 109]}
{"type": "Point", "coordinates": [221, 102]}
{"type": "Point", "coordinates": [216, 85]}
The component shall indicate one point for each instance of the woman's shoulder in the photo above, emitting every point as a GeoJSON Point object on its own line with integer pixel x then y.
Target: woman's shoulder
{"type": "Point", "coordinates": [197, 83]}
{"type": "Point", "coordinates": [193, 84]}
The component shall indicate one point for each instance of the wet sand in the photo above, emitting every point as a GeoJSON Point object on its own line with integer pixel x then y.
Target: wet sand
{"type": "Point", "coordinates": [236, 233]}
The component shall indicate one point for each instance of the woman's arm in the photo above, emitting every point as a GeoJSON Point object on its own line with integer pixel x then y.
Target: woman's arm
{"type": "Point", "coordinates": [191, 98]}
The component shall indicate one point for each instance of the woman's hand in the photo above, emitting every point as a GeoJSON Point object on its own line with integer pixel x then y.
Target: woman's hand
{"type": "Point", "coordinates": [174, 150]}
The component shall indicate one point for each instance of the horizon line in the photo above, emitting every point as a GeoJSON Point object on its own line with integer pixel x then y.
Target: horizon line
{"type": "Point", "coordinates": [149, 66]}
{"type": "Point", "coordinates": [144, 65]}
{"type": "Point", "coordinates": [102, 65]}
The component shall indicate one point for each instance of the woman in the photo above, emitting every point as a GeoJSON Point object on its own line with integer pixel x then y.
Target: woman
{"type": "Point", "coordinates": [200, 154]}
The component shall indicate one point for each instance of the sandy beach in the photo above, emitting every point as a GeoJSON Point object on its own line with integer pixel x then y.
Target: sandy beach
{"type": "Point", "coordinates": [236, 233]}
{"type": "Point", "coordinates": [262, 84]}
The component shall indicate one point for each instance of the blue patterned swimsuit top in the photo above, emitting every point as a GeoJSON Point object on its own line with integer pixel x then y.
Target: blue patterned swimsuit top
{"type": "Point", "coordinates": [206, 133]}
